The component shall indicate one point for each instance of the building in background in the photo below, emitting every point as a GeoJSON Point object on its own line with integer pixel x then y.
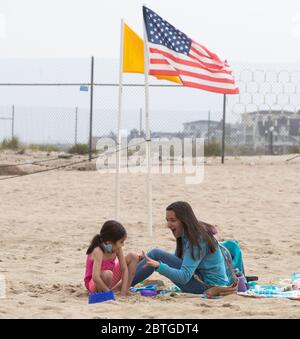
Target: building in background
{"type": "Point", "coordinates": [280, 128]}
{"type": "Point", "coordinates": [210, 130]}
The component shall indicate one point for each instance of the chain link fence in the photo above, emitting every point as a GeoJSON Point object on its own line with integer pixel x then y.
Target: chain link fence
{"type": "Point", "coordinates": [263, 119]}
{"type": "Point", "coordinates": [266, 113]}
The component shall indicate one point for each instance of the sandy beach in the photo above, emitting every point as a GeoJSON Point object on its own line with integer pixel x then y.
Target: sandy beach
{"type": "Point", "coordinates": [48, 219]}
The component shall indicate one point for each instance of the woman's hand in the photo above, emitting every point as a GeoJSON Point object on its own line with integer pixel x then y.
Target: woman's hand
{"type": "Point", "coordinates": [150, 262]}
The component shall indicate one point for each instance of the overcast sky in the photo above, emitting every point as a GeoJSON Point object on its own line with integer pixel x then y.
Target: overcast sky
{"type": "Point", "coordinates": [241, 31]}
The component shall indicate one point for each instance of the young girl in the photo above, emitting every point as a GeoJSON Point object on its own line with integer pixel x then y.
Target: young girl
{"type": "Point", "coordinates": [106, 266]}
{"type": "Point", "coordinates": [198, 264]}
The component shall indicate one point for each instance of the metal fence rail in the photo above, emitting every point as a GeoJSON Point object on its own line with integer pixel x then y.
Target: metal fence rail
{"type": "Point", "coordinates": [263, 119]}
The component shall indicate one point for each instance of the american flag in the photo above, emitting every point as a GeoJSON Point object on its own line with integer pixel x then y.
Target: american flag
{"type": "Point", "coordinates": [173, 53]}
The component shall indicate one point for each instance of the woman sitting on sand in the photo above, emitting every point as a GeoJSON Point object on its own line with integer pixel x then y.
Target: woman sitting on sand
{"type": "Point", "coordinates": [198, 265]}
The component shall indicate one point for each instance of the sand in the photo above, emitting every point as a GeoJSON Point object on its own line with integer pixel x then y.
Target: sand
{"type": "Point", "coordinates": [48, 219]}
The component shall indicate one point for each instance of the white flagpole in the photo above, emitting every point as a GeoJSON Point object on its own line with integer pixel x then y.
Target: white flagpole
{"type": "Point", "coordinates": [148, 134]}
{"type": "Point", "coordinates": [118, 159]}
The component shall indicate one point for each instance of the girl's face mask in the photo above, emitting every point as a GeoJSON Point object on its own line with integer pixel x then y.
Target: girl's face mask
{"type": "Point", "coordinates": [108, 247]}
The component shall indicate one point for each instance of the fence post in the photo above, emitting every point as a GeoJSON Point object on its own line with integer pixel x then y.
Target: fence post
{"type": "Point", "coordinates": [208, 129]}
{"type": "Point", "coordinates": [224, 128]}
{"type": "Point", "coordinates": [271, 140]}
{"type": "Point", "coordinates": [76, 123]}
{"type": "Point", "coordinates": [91, 109]}
{"type": "Point", "coordinates": [13, 121]}
{"type": "Point", "coordinates": [141, 119]}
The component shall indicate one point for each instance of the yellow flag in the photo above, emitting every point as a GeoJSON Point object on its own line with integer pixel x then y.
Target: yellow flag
{"type": "Point", "coordinates": [133, 55]}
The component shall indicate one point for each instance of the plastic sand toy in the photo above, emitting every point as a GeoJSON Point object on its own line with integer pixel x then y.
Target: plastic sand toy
{"type": "Point", "coordinates": [100, 297]}
{"type": "Point", "coordinates": [149, 293]}
{"type": "Point", "coordinates": [144, 288]}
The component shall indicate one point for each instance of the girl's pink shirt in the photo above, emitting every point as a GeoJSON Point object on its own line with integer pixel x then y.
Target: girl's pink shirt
{"type": "Point", "coordinates": [106, 265]}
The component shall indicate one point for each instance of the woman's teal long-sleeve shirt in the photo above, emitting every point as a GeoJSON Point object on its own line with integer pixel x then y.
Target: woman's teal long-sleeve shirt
{"type": "Point", "coordinates": [210, 267]}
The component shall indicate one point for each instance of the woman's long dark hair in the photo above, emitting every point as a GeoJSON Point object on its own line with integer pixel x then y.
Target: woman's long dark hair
{"type": "Point", "coordinates": [111, 231]}
{"type": "Point", "coordinates": [196, 231]}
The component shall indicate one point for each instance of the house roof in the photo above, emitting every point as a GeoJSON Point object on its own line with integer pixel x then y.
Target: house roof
{"type": "Point", "coordinates": [266, 112]}
{"type": "Point", "coordinates": [201, 121]}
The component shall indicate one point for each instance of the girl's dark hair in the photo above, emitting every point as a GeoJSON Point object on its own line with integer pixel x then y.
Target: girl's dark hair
{"type": "Point", "coordinates": [110, 231]}
{"type": "Point", "coordinates": [195, 230]}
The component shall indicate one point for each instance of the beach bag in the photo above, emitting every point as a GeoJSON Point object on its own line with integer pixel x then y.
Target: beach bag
{"type": "Point", "coordinates": [236, 254]}
{"type": "Point", "coordinates": [230, 270]}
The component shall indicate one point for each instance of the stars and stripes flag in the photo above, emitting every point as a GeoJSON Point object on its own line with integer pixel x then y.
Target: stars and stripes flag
{"type": "Point", "coordinates": [173, 53]}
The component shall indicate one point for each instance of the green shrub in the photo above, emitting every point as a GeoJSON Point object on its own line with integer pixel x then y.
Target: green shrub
{"type": "Point", "coordinates": [13, 143]}
{"type": "Point", "coordinates": [294, 149]}
{"type": "Point", "coordinates": [79, 149]}
{"type": "Point", "coordinates": [43, 148]}
{"type": "Point", "coordinates": [212, 149]}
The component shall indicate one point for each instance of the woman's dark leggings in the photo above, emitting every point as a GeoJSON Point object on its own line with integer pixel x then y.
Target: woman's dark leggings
{"type": "Point", "coordinates": [193, 286]}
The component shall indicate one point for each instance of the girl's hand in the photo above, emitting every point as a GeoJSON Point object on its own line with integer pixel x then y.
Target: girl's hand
{"type": "Point", "coordinates": [150, 262]}
{"type": "Point", "coordinates": [127, 294]}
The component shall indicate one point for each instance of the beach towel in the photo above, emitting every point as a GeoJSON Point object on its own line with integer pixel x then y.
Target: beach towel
{"type": "Point", "coordinates": [285, 289]}
{"type": "Point", "coordinates": [266, 292]}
